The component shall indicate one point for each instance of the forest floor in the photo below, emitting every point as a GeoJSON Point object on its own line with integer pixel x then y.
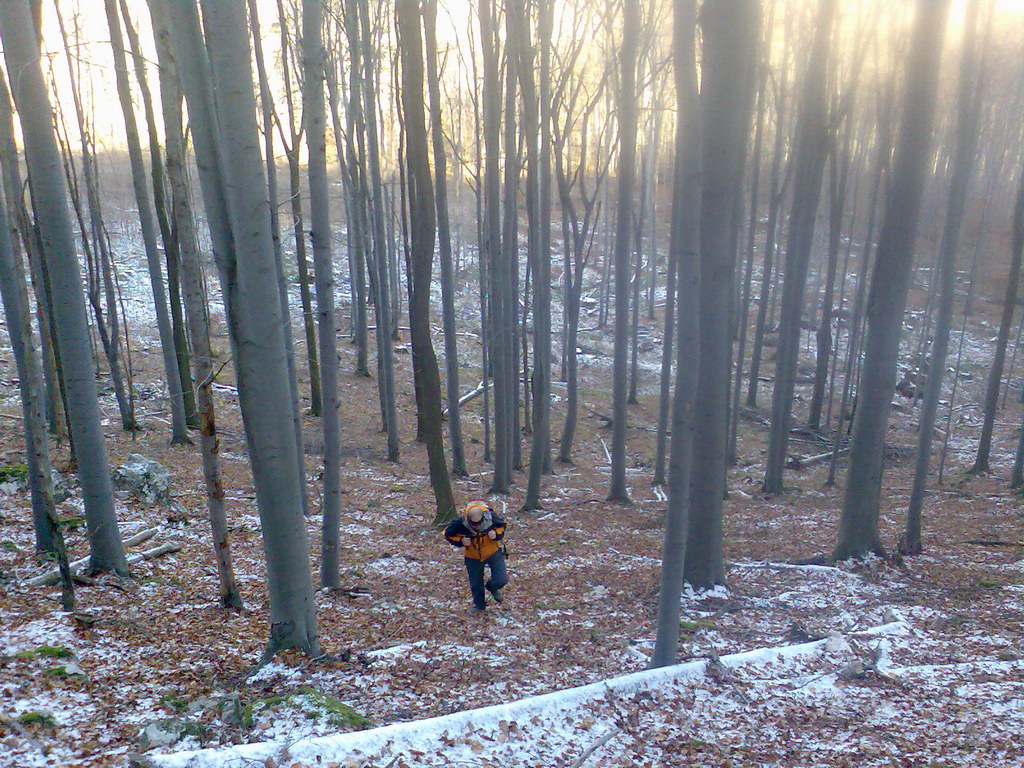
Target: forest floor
{"type": "Point", "coordinates": [942, 686]}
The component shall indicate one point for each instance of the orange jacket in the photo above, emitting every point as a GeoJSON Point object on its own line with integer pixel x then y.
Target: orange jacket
{"type": "Point", "coordinates": [481, 546]}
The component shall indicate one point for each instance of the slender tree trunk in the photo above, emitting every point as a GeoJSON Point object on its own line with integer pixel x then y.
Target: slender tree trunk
{"type": "Point", "coordinates": [499, 332]}
{"type": "Point", "coordinates": [634, 331]}
{"type": "Point", "coordinates": [50, 202]}
{"type": "Point", "coordinates": [625, 177]}
{"type": "Point", "coordinates": [314, 113]}
{"type": "Point", "coordinates": [838, 175]}
{"type": "Point", "coordinates": [267, 113]}
{"type": "Point", "coordinates": [231, 173]}
{"type": "Point", "coordinates": [12, 183]}
{"type": "Point", "coordinates": [665, 397]}
{"type": "Point", "coordinates": [108, 328]}
{"type": "Point", "coordinates": [537, 128]}
{"type": "Point", "coordinates": [810, 151]}
{"type": "Point", "coordinates": [995, 375]}
{"type": "Point", "coordinates": [179, 429]}
{"type": "Point", "coordinates": [14, 294]}
{"type": "Point", "coordinates": [684, 251]}
{"type": "Point", "coordinates": [451, 347]}
{"type": "Point", "coordinates": [382, 301]}
{"type": "Point", "coordinates": [968, 107]}
{"type": "Point", "coordinates": [196, 309]}
{"type": "Point", "coordinates": [296, 132]}
{"type": "Point", "coordinates": [422, 225]}
{"type": "Point", "coordinates": [355, 214]}
{"type": "Point", "coordinates": [167, 235]}
{"type": "Point", "coordinates": [858, 527]}
{"type": "Point", "coordinates": [730, 39]}
{"type": "Point", "coordinates": [755, 186]}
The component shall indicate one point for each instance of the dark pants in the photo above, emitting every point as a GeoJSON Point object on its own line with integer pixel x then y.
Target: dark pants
{"type": "Point", "coordinates": [475, 569]}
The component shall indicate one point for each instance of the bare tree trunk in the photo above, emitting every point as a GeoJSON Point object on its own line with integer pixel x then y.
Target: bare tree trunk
{"type": "Point", "coordinates": [664, 400]}
{"type": "Point", "coordinates": [354, 223]}
{"type": "Point", "coordinates": [195, 306]}
{"type": "Point", "coordinates": [499, 330]}
{"type": "Point", "coordinates": [269, 119]}
{"type": "Point", "coordinates": [43, 161]}
{"type": "Point", "coordinates": [634, 330]}
{"type": "Point", "coordinates": [810, 152]}
{"type": "Point", "coordinates": [995, 375]}
{"type": "Point", "coordinates": [730, 37]}
{"type": "Point", "coordinates": [422, 224]}
{"type": "Point", "coordinates": [625, 177]}
{"type": "Point", "coordinates": [314, 113]}
{"type": "Point", "coordinates": [14, 293]}
{"type": "Point", "coordinates": [13, 186]}
{"type": "Point", "coordinates": [234, 190]}
{"type": "Point", "coordinates": [179, 428]}
{"type": "Point", "coordinates": [382, 278]}
{"type": "Point", "coordinates": [969, 94]}
{"type": "Point", "coordinates": [684, 250]}
{"type": "Point", "coordinates": [108, 328]}
{"type": "Point", "coordinates": [838, 177]}
{"type": "Point", "coordinates": [748, 276]}
{"type": "Point", "coordinates": [858, 527]}
{"type": "Point", "coordinates": [536, 115]}
{"type": "Point", "coordinates": [167, 235]}
{"type": "Point", "coordinates": [292, 148]}
{"type": "Point", "coordinates": [451, 347]}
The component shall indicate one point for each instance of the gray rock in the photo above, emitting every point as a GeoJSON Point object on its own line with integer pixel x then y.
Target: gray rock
{"type": "Point", "coordinates": [231, 709]}
{"type": "Point", "coordinates": [145, 479]}
{"type": "Point", "coordinates": [62, 490]}
{"type": "Point", "coordinates": [201, 704]}
{"type": "Point", "coordinates": [161, 733]}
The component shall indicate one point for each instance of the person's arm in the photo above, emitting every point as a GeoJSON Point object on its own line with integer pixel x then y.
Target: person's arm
{"type": "Point", "coordinates": [455, 534]}
{"type": "Point", "coordinates": [497, 528]}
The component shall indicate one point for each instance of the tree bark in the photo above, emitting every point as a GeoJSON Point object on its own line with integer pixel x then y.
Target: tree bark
{"type": "Point", "coordinates": [422, 229]}
{"type": "Point", "coordinates": [167, 235]}
{"type": "Point", "coordinates": [684, 251]}
{"type": "Point", "coordinates": [730, 40]}
{"type": "Point", "coordinates": [196, 309]}
{"type": "Point", "coordinates": [269, 119]}
{"type": "Point", "coordinates": [969, 93]}
{"type": "Point", "coordinates": [810, 152]}
{"type": "Point", "coordinates": [858, 526]}
{"type": "Point", "coordinates": [451, 347]}
{"type": "Point", "coordinates": [50, 196]}
{"type": "Point", "coordinates": [499, 330]}
{"type": "Point", "coordinates": [296, 132]}
{"type": "Point", "coordinates": [179, 428]}
{"type": "Point", "coordinates": [382, 303]}
{"type": "Point", "coordinates": [314, 113]}
{"type": "Point", "coordinates": [625, 177]}
{"type": "Point", "coordinates": [108, 327]}
{"type": "Point", "coordinates": [234, 190]}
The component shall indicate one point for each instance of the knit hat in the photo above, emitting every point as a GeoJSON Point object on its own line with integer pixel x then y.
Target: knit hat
{"type": "Point", "coordinates": [477, 504]}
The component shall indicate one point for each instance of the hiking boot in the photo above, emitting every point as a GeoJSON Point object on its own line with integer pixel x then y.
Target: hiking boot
{"type": "Point", "coordinates": [496, 594]}
{"type": "Point", "coordinates": [478, 609]}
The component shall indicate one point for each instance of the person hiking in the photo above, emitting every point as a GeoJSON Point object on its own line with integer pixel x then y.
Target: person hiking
{"type": "Point", "coordinates": [477, 532]}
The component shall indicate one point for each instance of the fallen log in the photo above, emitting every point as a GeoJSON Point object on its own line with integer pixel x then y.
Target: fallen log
{"type": "Point", "coordinates": [992, 543]}
{"type": "Point", "coordinates": [473, 394]}
{"type": "Point", "coordinates": [803, 462]}
{"type": "Point", "coordinates": [52, 577]}
{"type": "Point", "coordinates": [150, 554]}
